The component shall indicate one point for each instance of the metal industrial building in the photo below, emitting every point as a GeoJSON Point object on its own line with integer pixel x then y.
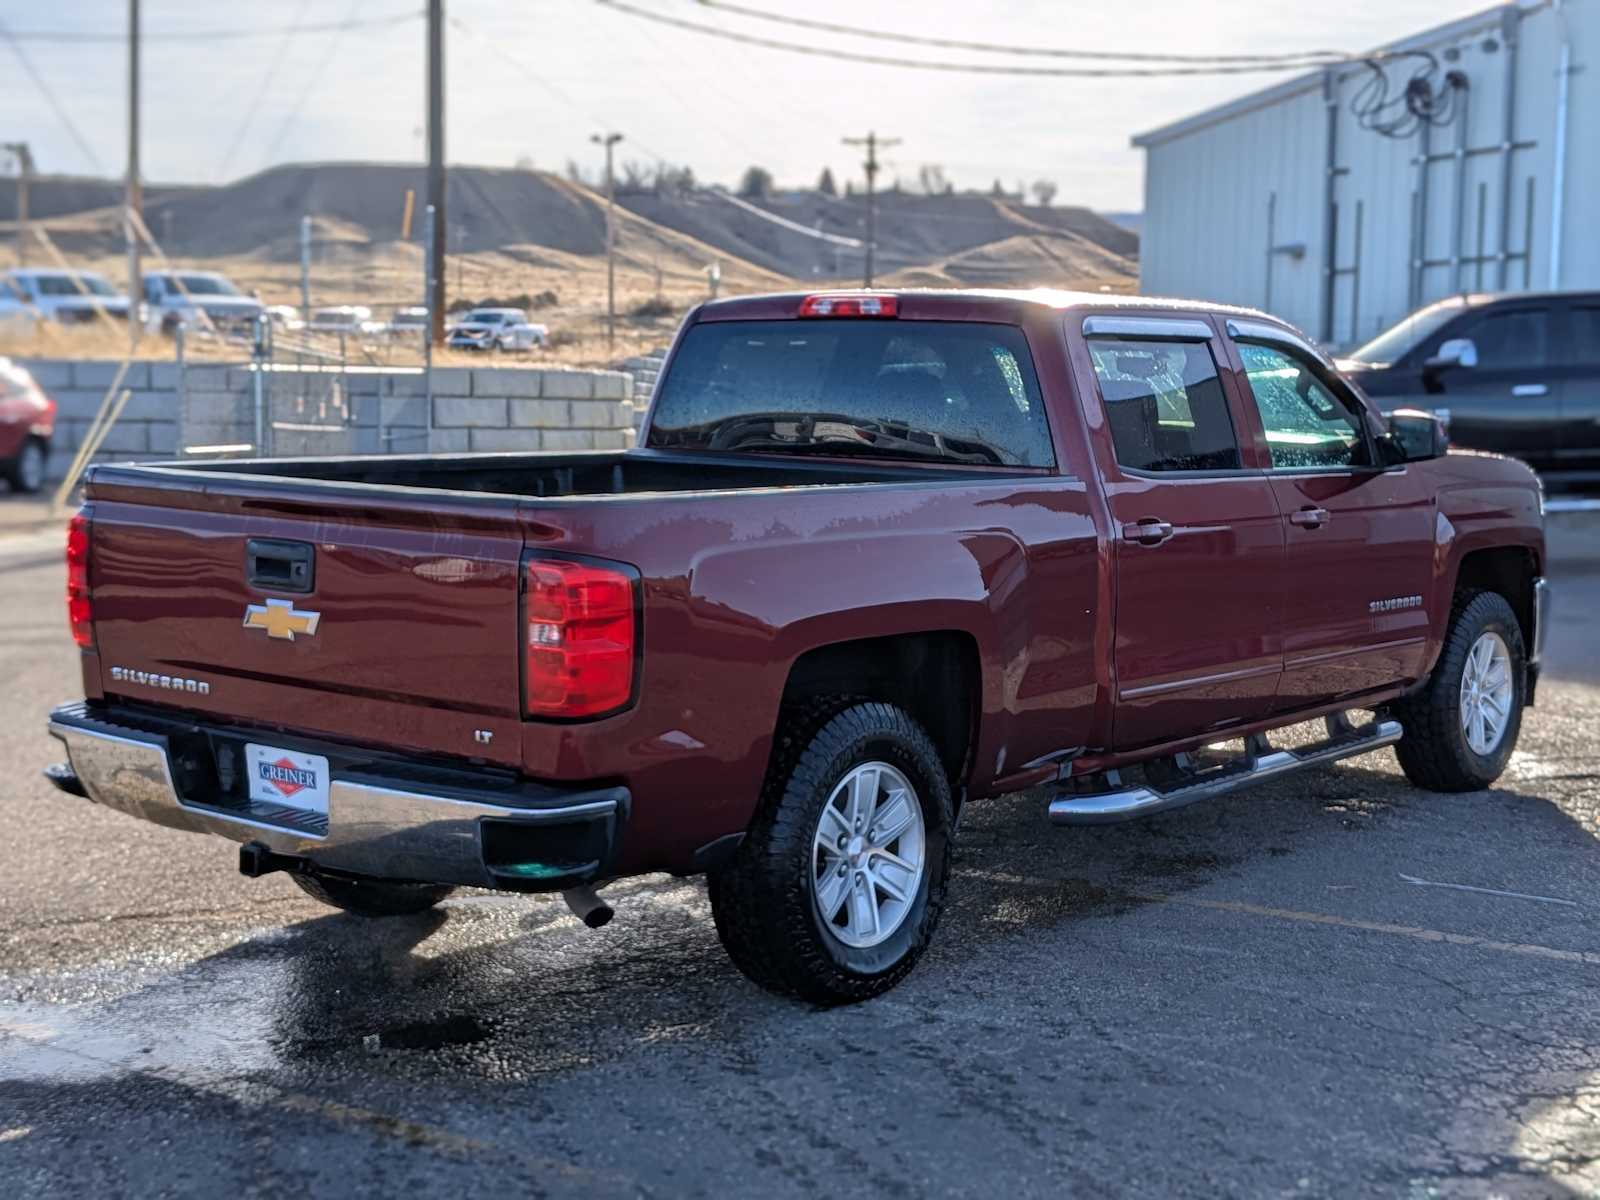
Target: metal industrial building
{"type": "Point", "coordinates": [1466, 159]}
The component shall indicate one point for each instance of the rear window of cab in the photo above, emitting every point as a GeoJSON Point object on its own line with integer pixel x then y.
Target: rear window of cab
{"type": "Point", "coordinates": [950, 391]}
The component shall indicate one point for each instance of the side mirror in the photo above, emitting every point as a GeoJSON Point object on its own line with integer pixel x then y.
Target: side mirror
{"type": "Point", "coordinates": [1456, 352]}
{"type": "Point", "coordinates": [1415, 436]}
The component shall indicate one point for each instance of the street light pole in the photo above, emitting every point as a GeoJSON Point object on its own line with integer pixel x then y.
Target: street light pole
{"type": "Point", "coordinates": [872, 143]}
{"type": "Point", "coordinates": [609, 141]}
{"type": "Point", "coordinates": [437, 184]}
{"type": "Point", "coordinates": [134, 199]}
{"type": "Point", "coordinates": [24, 157]}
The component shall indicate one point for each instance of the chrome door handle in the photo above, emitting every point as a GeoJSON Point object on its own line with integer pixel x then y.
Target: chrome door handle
{"type": "Point", "coordinates": [1309, 518]}
{"type": "Point", "coordinates": [1531, 389]}
{"type": "Point", "coordinates": [1147, 531]}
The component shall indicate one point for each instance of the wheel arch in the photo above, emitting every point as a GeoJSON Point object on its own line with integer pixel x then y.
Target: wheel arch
{"type": "Point", "coordinates": [1506, 570]}
{"type": "Point", "coordinates": [934, 675]}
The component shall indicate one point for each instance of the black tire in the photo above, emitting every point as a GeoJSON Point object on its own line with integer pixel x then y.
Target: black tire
{"type": "Point", "coordinates": [25, 472]}
{"type": "Point", "coordinates": [1434, 753]}
{"type": "Point", "coordinates": [763, 899]}
{"type": "Point", "coordinates": [371, 897]}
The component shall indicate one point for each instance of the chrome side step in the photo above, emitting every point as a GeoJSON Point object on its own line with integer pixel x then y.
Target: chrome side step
{"type": "Point", "coordinates": [1260, 762]}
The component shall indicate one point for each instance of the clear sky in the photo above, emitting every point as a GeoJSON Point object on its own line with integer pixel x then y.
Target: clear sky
{"type": "Point", "coordinates": [533, 78]}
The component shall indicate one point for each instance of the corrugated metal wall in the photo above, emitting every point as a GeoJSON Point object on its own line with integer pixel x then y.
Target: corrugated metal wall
{"type": "Point", "coordinates": [1239, 208]}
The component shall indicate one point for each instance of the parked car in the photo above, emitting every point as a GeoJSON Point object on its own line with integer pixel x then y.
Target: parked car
{"type": "Point", "coordinates": [353, 320]}
{"type": "Point", "coordinates": [285, 317]}
{"type": "Point", "coordinates": [496, 329]}
{"type": "Point", "coordinates": [881, 555]}
{"type": "Point", "coordinates": [203, 299]}
{"type": "Point", "coordinates": [1519, 374]}
{"type": "Point", "coordinates": [408, 324]}
{"type": "Point", "coordinates": [67, 297]}
{"type": "Point", "coordinates": [27, 423]}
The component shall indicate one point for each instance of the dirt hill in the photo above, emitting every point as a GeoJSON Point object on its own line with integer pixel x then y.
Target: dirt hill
{"type": "Point", "coordinates": [914, 232]}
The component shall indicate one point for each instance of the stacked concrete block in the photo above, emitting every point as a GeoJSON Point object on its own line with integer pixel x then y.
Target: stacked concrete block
{"type": "Point", "coordinates": [362, 410]}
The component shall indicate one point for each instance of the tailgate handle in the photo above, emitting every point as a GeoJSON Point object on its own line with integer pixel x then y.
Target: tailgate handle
{"type": "Point", "coordinates": [276, 566]}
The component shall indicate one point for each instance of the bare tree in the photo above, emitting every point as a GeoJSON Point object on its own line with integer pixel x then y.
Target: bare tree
{"type": "Point", "coordinates": [825, 184]}
{"type": "Point", "coordinates": [634, 177]}
{"type": "Point", "coordinates": [931, 179]}
{"type": "Point", "coordinates": [674, 181]}
{"type": "Point", "coordinates": [574, 172]}
{"type": "Point", "coordinates": [1044, 191]}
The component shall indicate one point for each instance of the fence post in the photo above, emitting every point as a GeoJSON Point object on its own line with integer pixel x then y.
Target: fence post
{"type": "Point", "coordinates": [182, 418]}
{"type": "Point", "coordinates": [258, 376]}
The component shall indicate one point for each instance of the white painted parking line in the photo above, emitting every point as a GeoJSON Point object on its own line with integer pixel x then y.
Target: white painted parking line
{"type": "Point", "coordinates": [1483, 891]}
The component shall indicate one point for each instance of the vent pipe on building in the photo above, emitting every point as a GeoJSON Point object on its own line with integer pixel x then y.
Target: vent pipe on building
{"type": "Point", "coordinates": [1559, 176]}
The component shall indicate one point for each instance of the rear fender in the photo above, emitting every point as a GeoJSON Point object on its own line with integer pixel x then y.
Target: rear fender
{"type": "Point", "coordinates": [817, 592]}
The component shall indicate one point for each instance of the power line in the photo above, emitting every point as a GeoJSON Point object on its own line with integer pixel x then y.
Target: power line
{"type": "Point", "coordinates": [910, 39]}
{"type": "Point", "coordinates": [216, 35]}
{"type": "Point", "coordinates": [529, 73]}
{"type": "Point", "coordinates": [349, 22]}
{"type": "Point", "coordinates": [1311, 61]}
{"type": "Point", "coordinates": [50, 98]}
{"type": "Point", "coordinates": [261, 93]}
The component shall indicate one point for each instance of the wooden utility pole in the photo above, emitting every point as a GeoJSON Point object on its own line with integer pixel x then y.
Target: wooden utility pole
{"type": "Point", "coordinates": [873, 144]}
{"type": "Point", "coordinates": [609, 141]}
{"type": "Point", "coordinates": [24, 157]}
{"type": "Point", "coordinates": [134, 199]}
{"type": "Point", "coordinates": [436, 173]}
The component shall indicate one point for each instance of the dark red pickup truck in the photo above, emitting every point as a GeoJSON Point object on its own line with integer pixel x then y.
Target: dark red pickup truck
{"type": "Point", "coordinates": [879, 554]}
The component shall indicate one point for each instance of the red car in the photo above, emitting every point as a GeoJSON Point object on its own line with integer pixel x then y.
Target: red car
{"type": "Point", "coordinates": [27, 423]}
{"type": "Point", "coordinates": [881, 555]}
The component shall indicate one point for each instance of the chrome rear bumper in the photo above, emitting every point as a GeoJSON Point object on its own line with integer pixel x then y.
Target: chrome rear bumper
{"type": "Point", "coordinates": [390, 830]}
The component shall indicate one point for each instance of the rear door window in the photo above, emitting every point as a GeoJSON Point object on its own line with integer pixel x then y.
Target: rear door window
{"type": "Point", "coordinates": [1165, 405]}
{"type": "Point", "coordinates": [943, 390]}
{"type": "Point", "coordinates": [1586, 334]}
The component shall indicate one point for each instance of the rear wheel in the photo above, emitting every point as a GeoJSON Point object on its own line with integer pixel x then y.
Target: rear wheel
{"type": "Point", "coordinates": [836, 890]}
{"type": "Point", "coordinates": [1462, 727]}
{"type": "Point", "coordinates": [370, 897]}
{"type": "Point", "coordinates": [25, 473]}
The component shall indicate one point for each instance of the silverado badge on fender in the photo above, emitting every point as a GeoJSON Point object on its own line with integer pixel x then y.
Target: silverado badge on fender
{"type": "Point", "coordinates": [281, 619]}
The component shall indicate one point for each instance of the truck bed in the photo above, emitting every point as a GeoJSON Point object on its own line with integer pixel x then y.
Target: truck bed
{"type": "Point", "coordinates": [554, 476]}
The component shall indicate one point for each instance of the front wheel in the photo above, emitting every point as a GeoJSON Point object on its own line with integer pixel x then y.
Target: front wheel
{"type": "Point", "coordinates": [1461, 728]}
{"type": "Point", "coordinates": [836, 890]}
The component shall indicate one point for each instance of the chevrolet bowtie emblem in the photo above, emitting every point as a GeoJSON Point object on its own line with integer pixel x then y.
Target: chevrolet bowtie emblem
{"type": "Point", "coordinates": [281, 619]}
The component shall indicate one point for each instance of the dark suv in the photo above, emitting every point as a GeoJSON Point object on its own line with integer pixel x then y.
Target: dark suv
{"type": "Point", "coordinates": [1515, 373]}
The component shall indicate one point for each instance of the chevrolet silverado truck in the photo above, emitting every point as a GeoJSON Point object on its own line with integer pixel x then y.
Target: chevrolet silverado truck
{"type": "Point", "coordinates": [879, 555]}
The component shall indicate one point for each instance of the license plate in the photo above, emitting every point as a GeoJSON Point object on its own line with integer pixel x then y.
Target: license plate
{"type": "Point", "coordinates": [285, 777]}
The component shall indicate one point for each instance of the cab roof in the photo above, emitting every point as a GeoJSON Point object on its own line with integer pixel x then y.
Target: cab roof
{"type": "Point", "coordinates": [773, 304]}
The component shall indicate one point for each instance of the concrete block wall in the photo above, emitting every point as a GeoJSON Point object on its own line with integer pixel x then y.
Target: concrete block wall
{"type": "Point", "coordinates": [359, 411]}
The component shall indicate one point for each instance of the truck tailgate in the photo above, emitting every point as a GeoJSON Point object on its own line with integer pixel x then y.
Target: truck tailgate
{"type": "Point", "coordinates": [405, 635]}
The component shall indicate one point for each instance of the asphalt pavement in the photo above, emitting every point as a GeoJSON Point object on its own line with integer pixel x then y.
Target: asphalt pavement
{"type": "Point", "coordinates": [1331, 985]}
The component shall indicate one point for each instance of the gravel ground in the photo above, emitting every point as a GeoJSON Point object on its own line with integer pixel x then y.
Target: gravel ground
{"type": "Point", "coordinates": [1284, 992]}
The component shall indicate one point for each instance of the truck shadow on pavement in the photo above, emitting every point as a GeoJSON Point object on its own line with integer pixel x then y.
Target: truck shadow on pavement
{"type": "Point", "coordinates": [1065, 1001]}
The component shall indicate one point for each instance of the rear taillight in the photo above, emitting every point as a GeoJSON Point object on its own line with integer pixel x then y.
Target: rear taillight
{"type": "Point", "coordinates": [79, 614]}
{"type": "Point", "coordinates": [850, 306]}
{"type": "Point", "coordinates": [580, 639]}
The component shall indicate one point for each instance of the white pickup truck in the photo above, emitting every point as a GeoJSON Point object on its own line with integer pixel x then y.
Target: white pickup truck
{"type": "Point", "coordinates": [197, 298]}
{"type": "Point", "coordinates": [496, 329]}
{"type": "Point", "coordinates": [67, 297]}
